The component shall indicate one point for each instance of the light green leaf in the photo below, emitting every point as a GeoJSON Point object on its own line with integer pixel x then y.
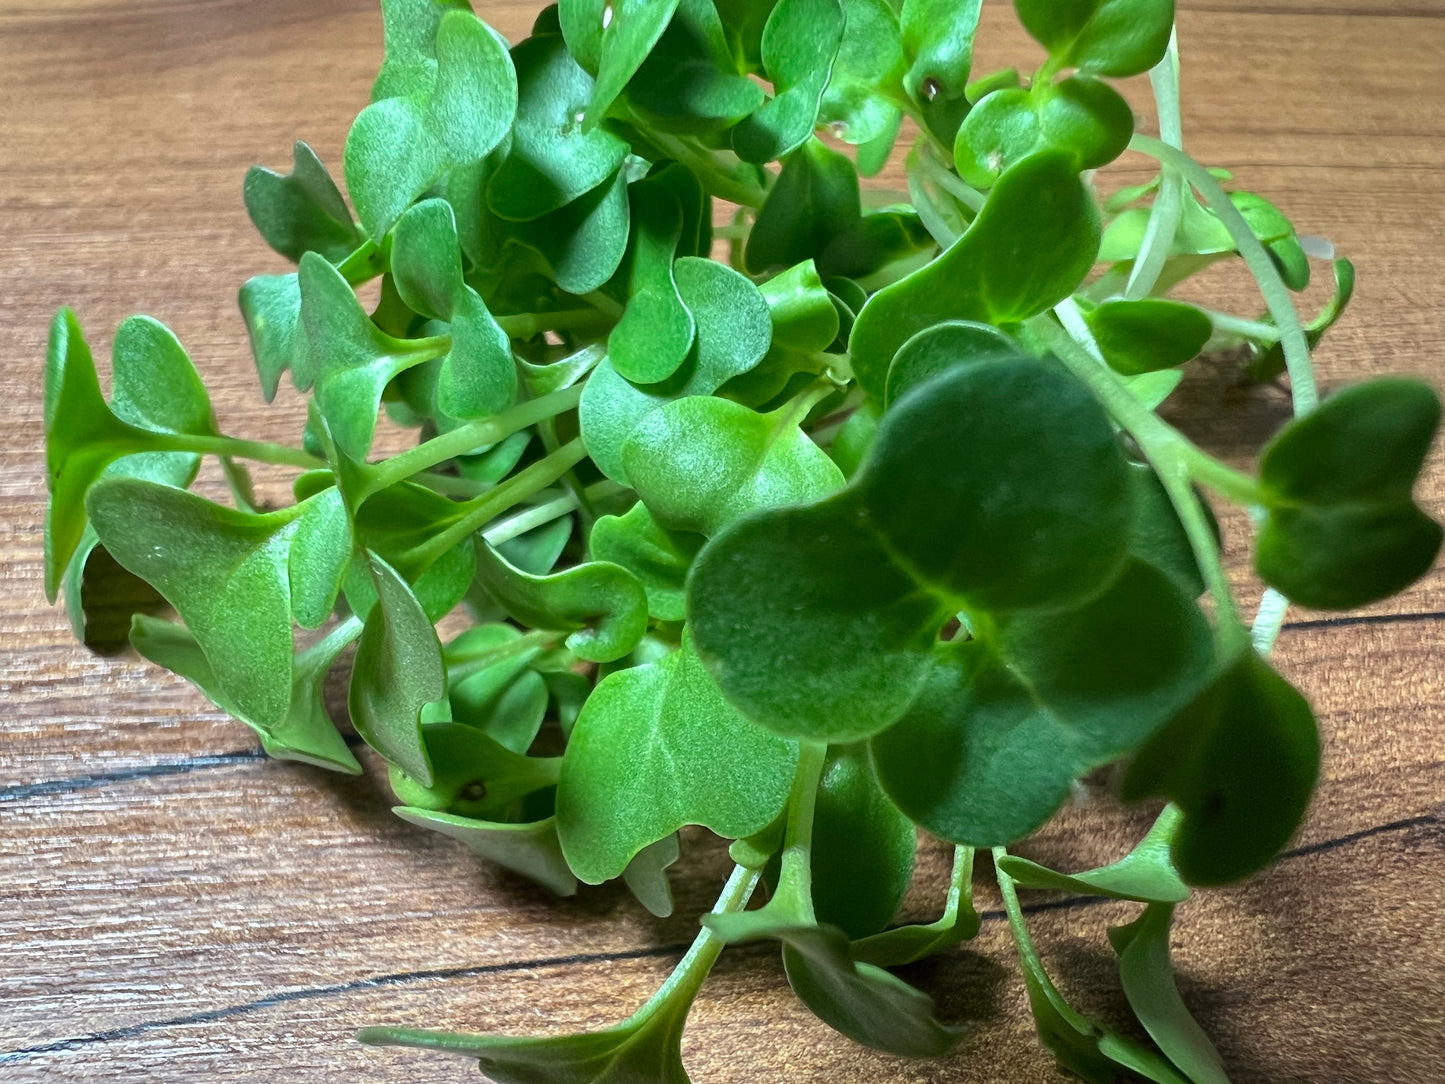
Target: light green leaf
{"type": "Point", "coordinates": [527, 849]}
{"type": "Point", "coordinates": [302, 211]}
{"type": "Point", "coordinates": [799, 45]}
{"type": "Point", "coordinates": [657, 556]}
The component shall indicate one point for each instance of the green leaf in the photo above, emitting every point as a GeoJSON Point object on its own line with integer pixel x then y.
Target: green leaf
{"type": "Point", "coordinates": [1156, 535]}
{"type": "Point", "coordinates": [990, 747]}
{"type": "Point", "coordinates": [227, 573]}
{"type": "Point", "coordinates": [869, 1005]}
{"type": "Point", "coordinates": [733, 333]}
{"type": "Point", "coordinates": [399, 146]}
{"type": "Point", "coordinates": [860, 102]}
{"type": "Point", "coordinates": [604, 604]}
{"type": "Point", "coordinates": [306, 733]}
{"type": "Point", "coordinates": [1148, 980]}
{"type": "Point", "coordinates": [799, 45]}
{"type": "Point", "coordinates": [690, 81]}
{"type": "Point", "coordinates": [1146, 873]}
{"type": "Point", "coordinates": [553, 158]}
{"type": "Point", "coordinates": [1147, 335]}
{"type": "Point", "coordinates": [805, 323]}
{"type": "Point", "coordinates": [584, 242]}
{"type": "Point", "coordinates": [101, 598]}
{"type": "Point", "coordinates": [938, 48]}
{"type": "Point", "coordinates": [1107, 37]}
{"type": "Point", "coordinates": [1081, 115]}
{"type": "Point", "coordinates": [657, 556]}
{"type": "Point", "coordinates": [909, 944]}
{"type": "Point", "coordinates": [302, 211]}
{"type": "Point", "coordinates": [657, 747]}
{"type": "Point", "coordinates": [1342, 529]}
{"type": "Point", "coordinates": [491, 688]}
{"type": "Point", "coordinates": [394, 523]}
{"type": "Point", "coordinates": [630, 28]}
{"type": "Point", "coordinates": [410, 31]}
{"type": "Point", "coordinates": [1029, 248]}
{"type": "Point", "coordinates": [862, 851]}
{"type": "Point", "coordinates": [398, 671]}
{"type": "Point", "coordinates": [472, 775]}
{"type": "Point", "coordinates": [271, 308]}
{"type": "Point", "coordinates": [646, 876]}
{"type": "Point", "coordinates": [1240, 761]}
{"type": "Point", "coordinates": [1271, 364]}
{"type": "Point", "coordinates": [656, 330]}
{"type": "Point", "coordinates": [700, 463]}
{"type": "Point", "coordinates": [935, 349]}
{"type": "Point", "coordinates": [872, 243]}
{"type": "Point", "coordinates": [527, 849]}
{"type": "Point", "coordinates": [813, 201]}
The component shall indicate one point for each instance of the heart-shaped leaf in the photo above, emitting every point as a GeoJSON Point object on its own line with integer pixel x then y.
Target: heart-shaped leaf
{"type": "Point", "coordinates": [1029, 248]}
{"type": "Point", "coordinates": [932, 351]}
{"type": "Point", "coordinates": [1002, 728]}
{"type": "Point", "coordinates": [644, 760]}
{"type": "Point", "coordinates": [806, 322]}
{"type": "Point", "coordinates": [1271, 364]}
{"type": "Point", "coordinates": [1109, 37]}
{"type": "Point", "coordinates": [410, 30]}
{"type": "Point", "coordinates": [938, 49]}
{"type": "Point", "coordinates": [472, 775]}
{"type": "Point", "coordinates": [630, 28]}
{"type": "Point", "coordinates": [860, 102]}
{"type": "Point", "coordinates": [690, 82]}
{"type": "Point", "coordinates": [604, 603]}
{"type": "Point", "coordinates": [646, 876]}
{"type": "Point", "coordinates": [1342, 528]}
{"type": "Point", "coordinates": [398, 671]}
{"type": "Point", "coordinates": [700, 463]}
{"type": "Point", "coordinates": [448, 115]}
{"type": "Point", "coordinates": [733, 333]}
{"type": "Point", "coordinates": [1240, 762]}
{"type": "Point", "coordinates": [553, 158]}
{"type": "Point", "coordinates": [271, 307]}
{"type": "Point", "coordinates": [799, 45]}
{"type": "Point", "coordinates": [584, 242]}
{"type": "Point", "coordinates": [302, 211]}
{"type": "Point", "coordinates": [306, 733]}
{"type": "Point", "coordinates": [909, 944]}
{"type": "Point", "coordinates": [1080, 115]}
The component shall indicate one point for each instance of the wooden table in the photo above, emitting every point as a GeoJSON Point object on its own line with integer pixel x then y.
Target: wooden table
{"type": "Point", "coordinates": [175, 907]}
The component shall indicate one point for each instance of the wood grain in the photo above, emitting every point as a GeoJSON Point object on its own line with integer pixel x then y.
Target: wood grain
{"type": "Point", "coordinates": [174, 907]}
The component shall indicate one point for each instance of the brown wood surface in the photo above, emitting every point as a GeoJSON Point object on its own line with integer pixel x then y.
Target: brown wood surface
{"type": "Point", "coordinates": [173, 907]}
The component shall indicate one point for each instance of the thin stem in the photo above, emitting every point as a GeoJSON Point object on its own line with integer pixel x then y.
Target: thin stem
{"type": "Point", "coordinates": [1028, 954]}
{"type": "Point", "coordinates": [687, 977]}
{"type": "Point", "coordinates": [729, 183]}
{"type": "Point", "coordinates": [960, 884]}
{"type": "Point", "coordinates": [331, 643]}
{"type": "Point", "coordinates": [528, 325]}
{"type": "Point", "coordinates": [478, 513]}
{"type": "Point", "coordinates": [1169, 203]}
{"type": "Point", "coordinates": [1271, 286]}
{"type": "Point", "coordinates": [534, 517]}
{"type": "Point", "coordinates": [1248, 329]}
{"type": "Point", "coordinates": [532, 643]}
{"type": "Point", "coordinates": [1268, 620]}
{"type": "Point", "coordinates": [1174, 458]}
{"type": "Point", "coordinates": [1224, 480]}
{"type": "Point", "coordinates": [478, 434]}
{"type": "Point", "coordinates": [258, 450]}
{"type": "Point", "coordinates": [941, 175]}
{"type": "Point", "coordinates": [795, 879]}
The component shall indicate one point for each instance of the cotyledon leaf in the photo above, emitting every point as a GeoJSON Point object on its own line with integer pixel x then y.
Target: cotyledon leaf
{"type": "Point", "coordinates": [1146, 873]}
{"type": "Point", "coordinates": [301, 211]}
{"type": "Point", "coordinates": [814, 200]}
{"type": "Point", "coordinates": [663, 731]}
{"type": "Point", "coordinates": [799, 45]}
{"type": "Point", "coordinates": [656, 330]}
{"type": "Point", "coordinates": [1028, 249]}
{"type": "Point", "coordinates": [691, 82]}
{"type": "Point", "coordinates": [657, 556]}
{"type": "Point", "coordinates": [1109, 37]}
{"type": "Point", "coordinates": [528, 849]}
{"type": "Point", "coordinates": [630, 28]}
{"type": "Point", "coordinates": [937, 37]}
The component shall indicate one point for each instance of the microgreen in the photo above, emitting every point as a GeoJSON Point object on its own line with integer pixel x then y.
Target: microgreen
{"type": "Point", "coordinates": [869, 526]}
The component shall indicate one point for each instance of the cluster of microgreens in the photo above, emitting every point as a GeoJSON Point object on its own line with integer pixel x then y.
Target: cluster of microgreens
{"type": "Point", "coordinates": [868, 527]}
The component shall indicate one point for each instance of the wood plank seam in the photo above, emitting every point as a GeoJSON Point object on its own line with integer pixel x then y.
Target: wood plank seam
{"type": "Point", "coordinates": [1068, 903]}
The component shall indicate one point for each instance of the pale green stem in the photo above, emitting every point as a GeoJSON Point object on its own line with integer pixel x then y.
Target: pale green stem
{"type": "Point", "coordinates": [531, 518]}
{"type": "Point", "coordinates": [794, 894]}
{"type": "Point", "coordinates": [1169, 202]}
{"type": "Point", "coordinates": [527, 325]}
{"type": "Point", "coordinates": [468, 438]}
{"type": "Point", "coordinates": [941, 175]}
{"type": "Point", "coordinates": [332, 642]}
{"type": "Point", "coordinates": [1176, 460]}
{"type": "Point", "coordinates": [1268, 620]}
{"type": "Point", "coordinates": [1248, 329]}
{"type": "Point", "coordinates": [478, 513]}
{"type": "Point", "coordinates": [532, 643]}
{"type": "Point", "coordinates": [1271, 286]}
{"type": "Point", "coordinates": [1028, 954]}
{"type": "Point", "coordinates": [260, 451]}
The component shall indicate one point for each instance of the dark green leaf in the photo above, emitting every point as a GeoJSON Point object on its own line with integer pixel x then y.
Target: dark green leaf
{"type": "Point", "coordinates": [799, 45]}
{"type": "Point", "coordinates": [690, 82]}
{"type": "Point", "coordinates": [604, 604]}
{"type": "Point", "coordinates": [472, 774]}
{"type": "Point", "coordinates": [813, 201]}
{"type": "Point", "coordinates": [1240, 761]}
{"type": "Point", "coordinates": [1342, 528]}
{"type": "Point", "coordinates": [872, 243]}
{"type": "Point", "coordinates": [306, 733]}
{"type": "Point", "coordinates": [302, 211]}
{"type": "Point", "coordinates": [584, 242]}
{"type": "Point", "coordinates": [398, 671]}
{"type": "Point", "coordinates": [860, 102]}
{"type": "Point", "coordinates": [1109, 37]}
{"type": "Point", "coordinates": [862, 853]}
{"type": "Point", "coordinates": [1028, 249]}
{"type": "Point", "coordinates": [909, 944]}
{"type": "Point", "coordinates": [1156, 535]}
{"type": "Point", "coordinates": [655, 333]}
{"type": "Point", "coordinates": [1144, 336]}
{"type": "Point", "coordinates": [935, 349]}
{"type": "Point", "coordinates": [657, 747]}
{"type": "Point", "coordinates": [630, 28]}
{"type": "Point", "coordinates": [553, 158]}
{"type": "Point", "coordinates": [938, 48]}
